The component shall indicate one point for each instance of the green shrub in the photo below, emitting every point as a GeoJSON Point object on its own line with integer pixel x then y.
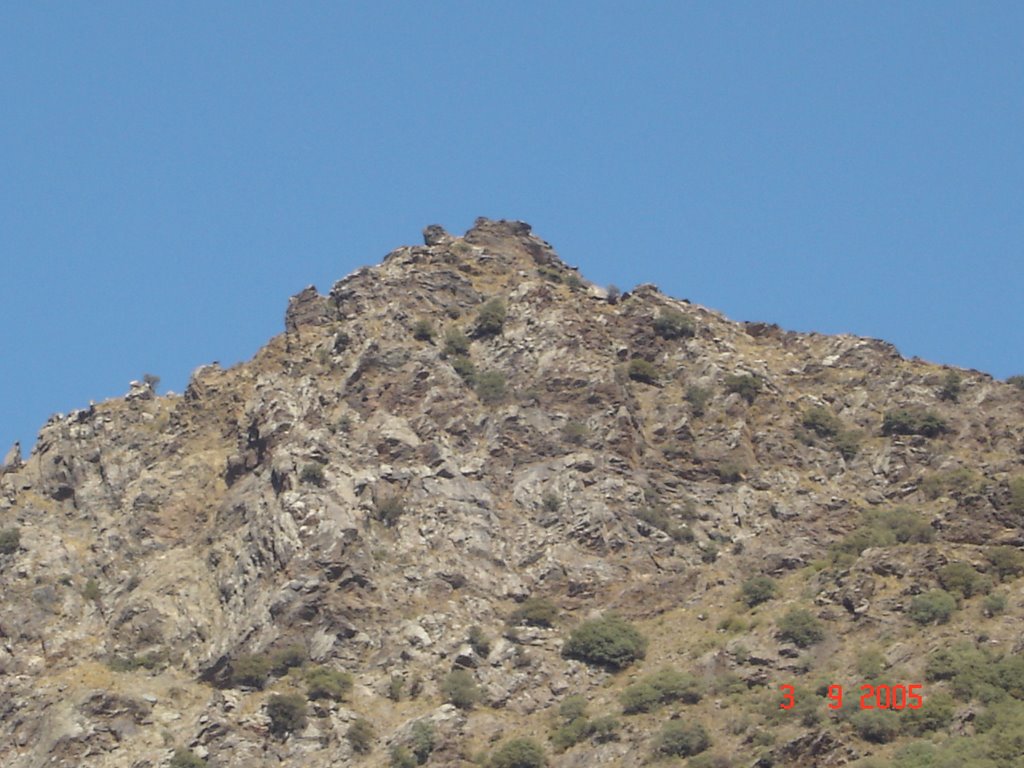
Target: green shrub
{"type": "Point", "coordinates": [698, 398]}
{"type": "Point", "coordinates": [287, 658]}
{"type": "Point", "coordinates": [10, 541]}
{"type": "Point", "coordinates": [913, 421]}
{"type": "Point", "coordinates": [757, 590]}
{"type": "Point", "coordinates": [956, 482]}
{"type": "Point", "coordinates": [576, 432]}
{"type": "Point", "coordinates": [535, 612]}
{"type": "Point", "coordinates": [604, 729]}
{"type": "Point", "coordinates": [655, 690]}
{"type": "Point", "coordinates": [490, 319]}
{"type": "Point", "coordinates": [423, 739]}
{"type": "Point", "coordinates": [312, 474]}
{"type": "Point", "coordinates": [186, 758]}
{"type": "Point", "coordinates": [952, 386]}
{"type": "Point", "coordinates": [993, 605]}
{"type": "Point", "coordinates": [886, 528]}
{"type": "Point", "coordinates": [639, 697]}
{"type": "Point", "coordinates": [287, 713]}
{"type": "Point", "coordinates": [679, 739]}
{"type": "Point", "coordinates": [800, 627]}
{"type": "Point", "coordinates": [660, 518]}
{"type": "Point", "coordinates": [401, 757]}
{"type": "Point", "coordinates": [491, 387]}
{"type": "Point", "coordinates": [569, 733]}
{"type": "Point", "coordinates": [933, 607]}
{"type": "Point", "coordinates": [324, 682]}
{"type": "Point", "coordinates": [962, 579]}
{"type": "Point", "coordinates": [847, 443]}
{"type": "Point", "coordinates": [1016, 486]}
{"type": "Point", "coordinates": [573, 707]}
{"type": "Point", "coordinates": [460, 689]}
{"type": "Point", "coordinates": [731, 471]}
{"type": "Point", "coordinates": [1007, 562]}
{"type": "Point", "coordinates": [518, 753]}
{"type": "Point", "coordinates": [479, 641]}
{"type": "Point", "coordinates": [423, 330]}
{"type": "Point", "coordinates": [250, 670]}
{"type": "Point", "coordinates": [574, 281]}
{"type": "Point", "coordinates": [360, 736]}
{"type": "Point", "coordinates": [550, 273]}
{"type": "Point", "coordinates": [745, 385]}
{"type": "Point", "coordinates": [642, 371]}
{"type": "Point", "coordinates": [389, 509]}
{"type": "Point", "coordinates": [465, 368]}
{"type": "Point", "coordinates": [551, 502]}
{"type": "Point", "coordinates": [876, 725]}
{"type": "Point", "coordinates": [456, 343]}
{"type": "Point", "coordinates": [609, 641]}
{"type": "Point", "coordinates": [935, 714]}
{"type": "Point", "coordinates": [395, 685]}
{"type": "Point", "coordinates": [91, 590]}
{"type": "Point", "coordinates": [821, 421]}
{"type": "Point", "coordinates": [673, 324]}
{"type": "Point", "coordinates": [1017, 381]}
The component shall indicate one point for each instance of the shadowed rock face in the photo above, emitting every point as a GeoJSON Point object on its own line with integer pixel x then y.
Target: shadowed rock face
{"type": "Point", "coordinates": [383, 477]}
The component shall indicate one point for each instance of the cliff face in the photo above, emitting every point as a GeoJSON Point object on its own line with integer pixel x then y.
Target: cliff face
{"type": "Point", "coordinates": [465, 426]}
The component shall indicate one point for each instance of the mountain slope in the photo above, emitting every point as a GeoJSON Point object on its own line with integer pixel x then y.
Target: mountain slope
{"type": "Point", "coordinates": [469, 428]}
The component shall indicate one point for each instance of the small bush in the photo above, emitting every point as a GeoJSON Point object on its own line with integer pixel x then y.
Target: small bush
{"type": "Point", "coordinates": [913, 421]}
{"type": "Point", "coordinates": [935, 714]}
{"type": "Point", "coordinates": [731, 471]}
{"type": "Point", "coordinates": [1017, 381]}
{"type": "Point", "coordinates": [962, 579]}
{"type": "Point", "coordinates": [456, 343]}
{"type": "Point", "coordinates": [821, 421]}
{"type": "Point", "coordinates": [287, 714]}
{"type": "Point", "coordinates": [401, 757]}
{"type": "Point", "coordinates": [993, 605]}
{"type": "Point", "coordinates": [698, 398]}
{"type": "Point", "coordinates": [876, 725]}
{"type": "Point", "coordinates": [886, 528]}
{"type": "Point", "coordinates": [1016, 486]}
{"type": "Point", "coordinates": [250, 670]}
{"type": "Point", "coordinates": [1007, 562]}
{"type": "Point", "coordinates": [465, 368]}
{"type": "Point", "coordinates": [679, 739]}
{"type": "Point", "coordinates": [324, 682]}
{"type": "Point", "coordinates": [639, 697]}
{"type": "Point", "coordinates": [287, 658]}
{"type": "Point", "coordinates": [609, 641]}
{"type": "Point", "coordinates": [847, 443]}
{"type": "Point", "coordinates": [312, 474]}
{"type": "Point", "coordinates": [659, 517]}
{"type": "Point", "coordinates": [535, 612]}
{"type": "Point", "coordinates": [395, 685]}
{"type": "Point", "coordinates": [951, 388]}
{"type": "Point", "coordinates": [490, 319]}
{"type": "Point", "coordinates": [389, 509]}
{"type": "Point", "coordinates": [423, 330]}
{"type": "Point", "coordinates": [479, 641]}
{"type": "Point", "coordinates": [491, 387]}
{"type": "Point", "coordinates": [574, 281]}
{"type": "Point", "coordinates": [186, 758]}
{"type": "Point", "coordinates": [423, 739]}
{"type": "Point", "coordinates": [91, 590]}
{"type": "Point", "coordinates": [10, 541]}
{"type": "Point", "coordinates": [551, 502]}
{"type": "Point", "coordinates": [518, 753]}
{"type": "Point", "coordinates": [745, 385]}
{"type": "Point", "coordinates": [800, 627]}
{"type": "Point", "coordinates": [360, 736]}
{"type": "Point", "coordinates": [673, 324]}
{"type": "Point", "coordinates": [575, 433]}
{"type": "Point", "coordinates": [662, 687]}
{"type": "Point", "coordinates": [614, 294]}
{"type": "Point", "coordinates": [757, 590]}
{"type": "Point", "coordinates": [460, 689]}
{"type": "Point", "coordinates": [573, 707]}
{"type": "Point", "coordinates": [642, 371]}
{"type": "Point", "coordinates": [956, 482]}
{"type": "Point", "coordinates": [933, 607]}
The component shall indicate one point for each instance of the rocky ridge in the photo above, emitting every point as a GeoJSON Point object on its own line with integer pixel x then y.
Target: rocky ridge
{"type": "Point", "coordinates": [403, 465]}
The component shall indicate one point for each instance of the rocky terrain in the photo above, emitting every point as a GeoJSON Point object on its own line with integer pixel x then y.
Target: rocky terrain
{"type": "Point", "coordinates": [372, 543]}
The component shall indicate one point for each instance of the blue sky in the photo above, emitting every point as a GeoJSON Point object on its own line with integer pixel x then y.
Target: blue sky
{"type": "Point", "coordinates": [171, 172]}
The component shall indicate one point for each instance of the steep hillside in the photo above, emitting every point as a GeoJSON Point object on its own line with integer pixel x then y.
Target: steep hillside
{"type": "Point", "coordinates": [385, 540]}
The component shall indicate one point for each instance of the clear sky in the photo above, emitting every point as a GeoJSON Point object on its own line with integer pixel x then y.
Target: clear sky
{"type": "Point", "coordinates": [170, 172]}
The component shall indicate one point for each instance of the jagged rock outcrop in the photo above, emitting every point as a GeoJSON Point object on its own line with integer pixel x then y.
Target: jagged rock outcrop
{"type": "Point", "coordinates": [380, 480]}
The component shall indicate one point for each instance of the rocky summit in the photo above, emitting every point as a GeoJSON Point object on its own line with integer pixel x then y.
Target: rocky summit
{"type": "Point", "coordinates": [471, 510]}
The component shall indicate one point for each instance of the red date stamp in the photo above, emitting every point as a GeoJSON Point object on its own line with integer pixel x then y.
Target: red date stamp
{"type": "Point", "coordinates": [871, 697]}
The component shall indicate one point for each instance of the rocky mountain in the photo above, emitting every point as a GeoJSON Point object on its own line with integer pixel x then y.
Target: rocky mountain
{"type": "Point", "coordinates": [469, 509]}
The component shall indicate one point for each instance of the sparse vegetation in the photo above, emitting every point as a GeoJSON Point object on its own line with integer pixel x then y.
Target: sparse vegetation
{"type": "Point", "coordinates": [1016, 486]}
{"type": "Point", "coordinates": [312, 474]}
{"type": "Point", "coordinates": [287, 713]}
{"type": "Point", "coordinates": [460, 689]}
{"type": "Point", "coordinates": [1007, 562]}
{"type": "Point", "coordinates": [821, 421]}
{"type": "Point", "coordinates": [962, 579]}
{"type": "Point", "coordinates": [465, 368]}
{"type": "Point", "coordinates": [955, 482]}
{"type": "Point", "coordinates": [698, 398]}
{"type": "Point", "coordinates": [91, 590]}
{"type": "Point", "coordinates": [642, 371]}
{"type": "Point", "coordinates": [250, 670]}
{"type": "Point", "coordinates": [491, 387]}
{"type": "Point", "coordinates": [884, 528]}
{"type": "Point", "coordinates": [456, 343]}
{"type": "Point", "coordinates": [875, 725]}
{"type": "Point", "coordinates": [479, 641]}
{"type": "Point", "coordinates": [186, 758]}
{"type": "Point", "coordinates": [913, 421]}
{"type": "Point", "coordinates": [673, 324]}
{"type": "Point", "coordinates": [665, 686]}
{"type": "Point", "coordinates": [576, 432]}
{"type": "Point", "coordinates": [952, 386]}
{"type": "Point", "coordinates": [614, 294]}
{"type": "Point", "coordinates": [609, 641]}
{"type": "Point", "coordinates": [551, 502]}
{"type": "Point", "coordinates": [659, 517]}
{"type": "Point", "coordinates": [1017, 381]}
